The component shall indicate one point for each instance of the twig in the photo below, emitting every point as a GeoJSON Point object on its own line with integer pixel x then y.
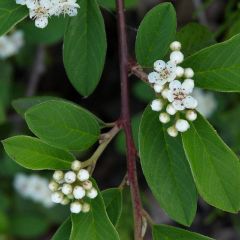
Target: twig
{"type": "Point", "coordinates": [200, 12]}
{"type": "Point", "coordinates": [124, 182]}
{"type": "Point", "coordinates": [126, 122]}
{"type": "Point", "coordinates": [38, 69]}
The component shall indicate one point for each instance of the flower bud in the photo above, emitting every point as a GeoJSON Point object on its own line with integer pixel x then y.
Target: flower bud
{"type": "Point", "coordinates": [70, 177]}
{"type": "Point", "coordinates": [182, 125]}
{"type": "Point", "coordinates": [53, 186]}
{"type": "Point", "coordinates": [158, 87]}
{"type": "Point", "coordinates": [177, 57]}
{"type": "Point", "coordinates": [67, 189]}
{"type": "Point", "coordinates": [79, 192]}
{"type": "Point", "coordinates": [164, 118]}
{"type": "Point", "coordinates": [76, 165]}
{"type": "Point", "coordinates": [86, 207]}
{"type": "Point", "coordinates": [57, 197]}
{"type": "Point", "coordinates": [172, 131]}
{"type": "Point", "coordinates": [92, 193]}
{"type": "Point", "coordinates": [83, 175]}
{"type": "Point", "coordinates": [165, 93]}
{"type": "Point", "coordinates": [170, 109]}
{"type": "Point", "coordinates": [191, 115]}
{"type": "Point", "coordinates": [87, 185]}
{"type": "Point", "coordinates": [58, 175]}
{"type": "Point", "coordinates": [188, 73]}
{"type": "Point", "coordinates": [65, 201]}
{"type": "Point", "coordinates": [179, 71]}
{"type": "Point", "coordinates": [153, 77]}
{"type": "Point", "coordinates": [75, 207]}
{"type": "Point", "coordinates": [157, 105]}
{"type": "Point", "coordinates": [175, 46]}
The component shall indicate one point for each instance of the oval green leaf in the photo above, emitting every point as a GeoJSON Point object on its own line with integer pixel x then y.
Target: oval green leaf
{"type": "Point", "coordinates": [64, 231]}
{"type": "Point", "coordinates": [215, 168]}
{"type": "Point", "coordinates": [113, 202]}
{"type": "Point", "coordinates": [156, 32]}
{"type": "Point", "coordinates": [164, 232]}
{"type": "Point", "coordinates": [217, 67]}
{"type": "Point", "coordinates": [166, 169]}
{"type": "Point", "coordinates": [63, 124]}
{"type": "Point", "coordinates": [34, 154]}
{"type": "Point", "coordinates": [10, 14]}
{"type": "Point", "coordinates": [94, 225]}
{"type": "Point", "coordinates": [84, 57]}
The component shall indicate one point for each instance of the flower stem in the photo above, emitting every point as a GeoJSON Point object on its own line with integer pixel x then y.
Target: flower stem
{"type": "Point", "coordinates": [126, 121]}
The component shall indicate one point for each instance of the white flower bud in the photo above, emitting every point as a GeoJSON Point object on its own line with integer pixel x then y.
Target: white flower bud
{"type": "Point", "coordinates": [70, 177]}
{"type": "Point", "coordinates": [75, 207]}
{"type": "Point", "coordinates": [79, 192]}
{"type": "Point", "coordinates": [76, 165]}
{"type": "Point", "coordinates": [170, 109]}
{"type": "Point", "coordinates": [83, 175]}
{"type": "Point", "coordinates": [188, 73]}
{"type": "Point", "coordinates": [57, 197]}
{"type": "Point", "coordinates": [157, 105]}
{"type": "Point", "coordinates": [182, 125]}
{"type": "Point", "coordinates": [179, 71]}
{"type": "Point", "coordinates": [58, 175]}
{"type": "Point", "coordinates": [87, 185]}
{"type": "Point", "coordinates": [67, 189]}
{"type": "Point", "coordinates": [92, 193]}
{"type": "Point", "coordinates": [177, 57]}
{"type": "Point", "coordinates": [172, 131]}
{"type": "Point", "coordinates": [165, 93]}
{"type": "Point", "coordinates": [86, 207]}
{"type": "Point", "coordinates": [53, 186]}
{"type": "Point", "coordinates": [164, 118]}
{"type": "Point", "coordinates": [191, 115]}
{"type": "Point", "coordinates": [188, 83]}
{"type": "Point", "coordinates": [158, 87]}
{"type": "Point", "coordinates": [65, 201]}
{"type": "Point", "coordinates": [175, 46]}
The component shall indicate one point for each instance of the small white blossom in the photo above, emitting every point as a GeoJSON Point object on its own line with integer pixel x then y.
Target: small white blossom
{"type": "Point", "coordinates": [165, 93]}
{"type": "Point", "coordinates": [179, 96]}
{"type": "Point", "coordinates": [164, 72]}
{"type": "Point", "coordinates": [157, 105]}
{"type": "Point", "coordinates": [87, 185]}
{"type": "Point", "coordinates": [164, 118]}
{"type": "Point", "coordinates": [188, 73]}
{"type": "Point", "coordinates": [182, 125]}
{"type": "Point", "coordinates": [175, 46]}
{"type": "Point", "coordinates": [177, 57]}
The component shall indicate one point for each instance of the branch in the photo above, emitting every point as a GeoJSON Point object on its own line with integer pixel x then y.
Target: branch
{"type": "Point", "coordinates": [126, 122]}
{"type": "Point", "coordinates": [38, 69]}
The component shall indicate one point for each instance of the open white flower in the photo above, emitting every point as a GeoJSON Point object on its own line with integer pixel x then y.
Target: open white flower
{"type": "Point", "coordinates": [69, 7]}
{"type": "Point", "coordinates": [178, 95]}
{"type": "Point", "coordinates": [164, 72]}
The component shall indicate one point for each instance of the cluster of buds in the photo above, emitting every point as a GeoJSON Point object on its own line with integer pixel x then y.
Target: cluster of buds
{"type": "Point", "coordinates": [73, 187]}
{"type": "Point", "coordinates": [173, 86]}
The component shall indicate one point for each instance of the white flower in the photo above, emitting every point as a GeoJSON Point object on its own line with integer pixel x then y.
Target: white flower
{"type": "Point", "coordinates": [207, 103]}
{"type": "Point", "coordinates": [176, 57]}
{"type": "Point", "coordinates": [178, 95]}
{"type": "Point", "coordinates": [182, 125]}
{"type": "Point", "coordinates": [53, 186]}
{"type": "Point", "coordinates": [57, 197]}
{"type": "Point", "coordinates": [175, 46]}
{"type": "Point", "coordinates": [156, 105]}
{"type": "Point", "coordinates": [69, 7]}
{"type": "Point", "coordinates": [83, 175]}
{"type": "Point", "coordinates": [158, 87]}
{"type": "Point", "coordinates": [164, 72]}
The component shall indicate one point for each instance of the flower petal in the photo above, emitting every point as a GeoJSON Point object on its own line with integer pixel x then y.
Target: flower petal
{"type": "Point", "coordinates": [187, 86]}
{"type": "Point", "coordinates": [175, 85]}
{"type": "Point", "coordinates": [178, 105]}
{"type": "Point", "coordinates": [153, 77]}
{"type": "Point", "coordinates": [159, 65]}
{"type": "Point", "coordinates": [41, 22]}
{"type": "Point", "coordinates": [190, 102]}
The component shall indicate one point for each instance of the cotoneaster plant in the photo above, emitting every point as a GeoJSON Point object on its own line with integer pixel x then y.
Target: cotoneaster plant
{"type": "Point", "coordinates": [181, 155]}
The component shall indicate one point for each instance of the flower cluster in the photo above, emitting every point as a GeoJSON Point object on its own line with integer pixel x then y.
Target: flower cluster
{"type": "Point", "coordinates": [174, 86]}
{"type": "Point", "coordinates": [41, 10]}
{"type": "Point", "coordinates": [11, 44]}
{"type": "Point", "coordinates": [73, 187]}
{"type": "Point", "coordinates": [33, 187]}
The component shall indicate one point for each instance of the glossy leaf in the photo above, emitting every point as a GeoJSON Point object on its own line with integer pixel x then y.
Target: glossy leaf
{"type": "Point", "coordinates": [94, 225]}
{"type": "Point", "coordinates": [194, 37]}
{"type": "Point", "coordinates": [113, 202]}
{"type": "Point", "coordinates": [166, 169]}
{"type": "Point", "coordinates": [64, 231]}
{"type": "Point", "coordinates": [63, 124]}
{"type": "Point", "coordinates": [156, 32]}
{"type": "Point", "coordinates": [34, 154]}
{"type": "Point", "coordinates": [83, 56]}
{"type": "Point", "coordinates": [217, 67]}
{"type": "Point", "coordinates": [110, 4]}
{"type": "Point", "coordinates": [164, 232]}
{"type": "Point", "coordinates": [10, 14]}
{"type": "Point", "coordinates": [215, 168]}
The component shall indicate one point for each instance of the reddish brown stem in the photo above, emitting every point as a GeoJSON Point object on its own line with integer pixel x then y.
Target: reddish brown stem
{"type": "Point", "coordinates": [126, 121]}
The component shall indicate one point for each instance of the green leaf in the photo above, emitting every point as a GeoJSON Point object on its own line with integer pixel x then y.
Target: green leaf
{"type": "Point", "coordinates": [21, 105]}
{"type": "Point", "coordinates": [64, 231]}
{"type": "Point", "coordinates": [143, 92]}
{"type": "Point", "coordinates": [28, 225]}
{"type": "Point", "coordinates": [113, 201]}
{"type": "Point", "coordinates": [164, 232]}
{"type": "Point", "coordinates": [63, 124]}
{"type": "Point", "coordinates": [166, 169]}
{"type": "Point", "coordinates": [194, 37]}
{"type": "Point", "coordinates": [51, 34]}
{"type": "Point", "coordinates": [94, 225]}
{"type": "Point", "coordinates": [215, 168]}
{"type": "Point", "coordinates": [217, 67]}
{"type": "Point", "coordinates": [111, 4]}
{"type": "Point", "coordinates": [10, 15]}
{"type": "Point", "coordinates": [34, 154]}
{"type": "Point", "coordinates": [84, 57]}
{"type": "Point", "coordinates": [156, 32]}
